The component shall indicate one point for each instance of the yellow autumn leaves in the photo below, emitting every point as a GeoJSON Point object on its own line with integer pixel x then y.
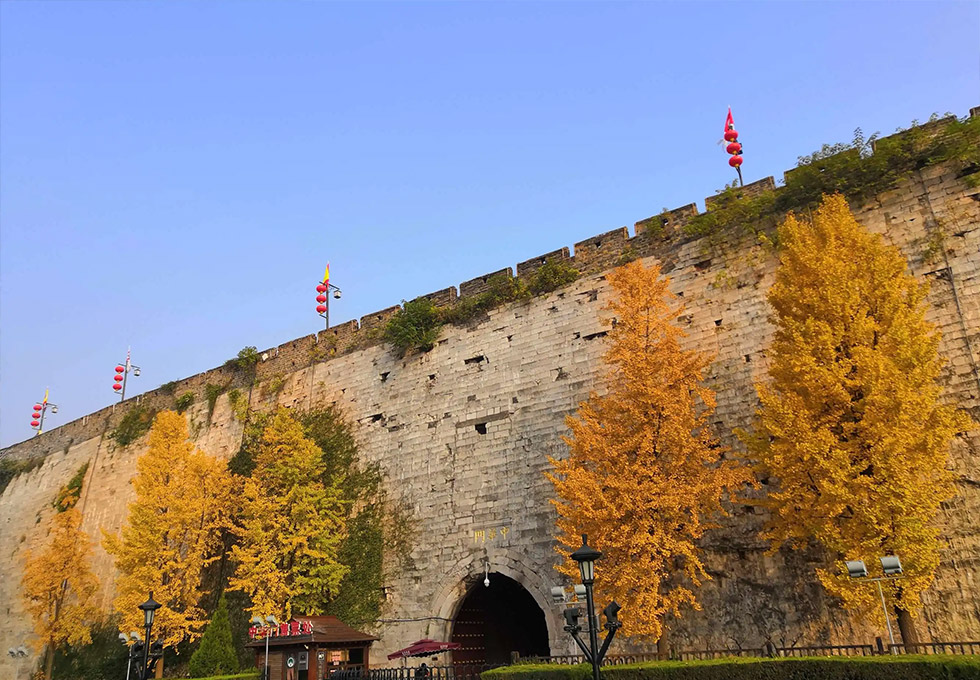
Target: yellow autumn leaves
{"type": "Point", "coordinates": [644, 476]}
{"type": "Point", "coordinates": [851, 431]}
{"type": "Point", "coordinates": [173, 531]}
{"type": "Point", "coordinates": [59, 587]}
{"type": "Point", "coordinates": [291, 526]}
{"type": "Point", "coordinates": [287, 528]}
{"type": "Point", "coordinates": [851, 425]}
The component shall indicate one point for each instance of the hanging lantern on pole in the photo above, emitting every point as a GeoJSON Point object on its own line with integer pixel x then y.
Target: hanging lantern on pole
{"type": "Point", "coordinates": [40, 410]}
{"type": "Point", "coordinates": [121, 377]}
{"type": "Point", "coordinates": [323, 289]}
{"type": "Point", "coordinates": [734, 148]}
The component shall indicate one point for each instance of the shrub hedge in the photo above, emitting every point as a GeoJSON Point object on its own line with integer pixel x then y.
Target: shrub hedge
{"type": "Point", "coordinates": [904, 667]}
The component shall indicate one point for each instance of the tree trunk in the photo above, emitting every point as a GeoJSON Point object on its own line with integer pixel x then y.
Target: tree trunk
{"type": "Point", "coordinates": [663, 651]}
{"type": "Point", "coordinates": [906, 625]}
{"type": "Point", "coordinates": [48, 661]}
{"type": "Point", "coordinates": [159, 668]}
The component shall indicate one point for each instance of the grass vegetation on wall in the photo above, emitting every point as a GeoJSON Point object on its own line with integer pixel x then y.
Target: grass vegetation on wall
{"type": "Point", "coordinates": [416, 327]}
{"type": "Point", "coordinates": [133, 425]}
{"type": "Point", "coordinates": [859, 170]}
{"type": "Point", "coordinates": [245, 361]}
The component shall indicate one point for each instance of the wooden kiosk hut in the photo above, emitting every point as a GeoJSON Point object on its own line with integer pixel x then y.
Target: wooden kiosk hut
{"type": "Point", "coordinates": [311, 648]}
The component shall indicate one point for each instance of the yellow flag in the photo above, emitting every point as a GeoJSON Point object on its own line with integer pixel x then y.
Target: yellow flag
{"type": "Point", "coordinates": [326, 274]}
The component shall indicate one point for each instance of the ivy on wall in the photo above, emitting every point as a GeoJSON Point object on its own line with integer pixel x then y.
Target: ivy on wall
{"type": "Point", "coordinates": [184, 401]}
{"type": "Point", "coordinates": [10, 468]}
{"type": "Point", "coordinates": [211, 392]}
{"type": "Point", "coordinates": [69, 494]}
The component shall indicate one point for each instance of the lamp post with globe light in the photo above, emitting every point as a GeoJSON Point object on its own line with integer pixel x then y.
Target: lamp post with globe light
{"type": "Point", "coordinates": [134, 648]}
{"type": "Point", "coordinates": [891, 566]}
{"type": "Point", "coordinates": [323, 291]}
{"type": "Point", "coordinates": [266, 625]}
{"type": "Point", "coordinates": [18, 655]}
{"type": "Point", "coordinates": [122, 376]}
{"type": "Point", "coordinates": [40, 410]}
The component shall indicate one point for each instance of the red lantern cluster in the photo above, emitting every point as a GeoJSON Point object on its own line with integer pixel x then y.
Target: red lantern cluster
{"type": "Point", "coordinates": [117, 384]}
{"type": "Point", "coordinates": [321, 299]}
{"type": "Point", "coordinates": [734, 148]}
{"type": "Point", "coordinates": [36, 416]}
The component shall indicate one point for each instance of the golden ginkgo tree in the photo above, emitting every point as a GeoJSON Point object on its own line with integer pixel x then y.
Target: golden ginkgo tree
{"type": "Point", "coordinates": [291, 526]}
{"type": "Point", "coordinates": [644, 477]}
{"type": "Point", "coordinates": [173, 531]}
{"type": "Point", "coordinates": [852, 430]}
{"type": "Point", "coordinates": [59, 586]}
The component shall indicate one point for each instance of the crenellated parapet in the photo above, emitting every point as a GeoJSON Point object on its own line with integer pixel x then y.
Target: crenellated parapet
{"type": "Point", "coordinates": [662, 236]}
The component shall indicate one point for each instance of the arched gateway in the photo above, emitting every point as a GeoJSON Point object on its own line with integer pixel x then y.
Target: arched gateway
{"type": "Point", "coordinates": [494, 621]}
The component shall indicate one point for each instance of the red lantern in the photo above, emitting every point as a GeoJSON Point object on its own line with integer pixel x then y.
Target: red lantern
{"type": "Point", "coordinates": [36, 414]}
{"type": "Point", "coordinates": [321, 298]}
{"type": "Point", "coordinates": [731, 135]}
{"type": "Point", "coordinates": [120, 369]}
{"type": "Point", "coordinates": [734, 148]}
{"type": "Point", "coordinates": [321, 288]}
{"type": "Point", "coordinates": [35, 423]}
{"type": "Point", "coordinates": [117, 386]}
{"type": "Point", "coordinates": [37, 407]}
{"type": "Point", "coordinates": [320, 309]}
{"type": "Point", "coordinates": [735, 161]}
{"type": "Point", "coordinates": [118, 377]}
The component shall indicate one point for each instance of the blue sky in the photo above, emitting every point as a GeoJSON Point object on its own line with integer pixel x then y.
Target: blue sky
{"type": "Point", "coordinates": [174, 176]}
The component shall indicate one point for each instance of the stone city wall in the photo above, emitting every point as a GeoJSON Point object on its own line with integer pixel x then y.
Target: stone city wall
{"type": "Point", "coordinates": [463, 431]}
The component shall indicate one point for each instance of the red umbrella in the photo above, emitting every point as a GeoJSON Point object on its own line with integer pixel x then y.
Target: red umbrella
{"type": "Point", "coordinates": [424, 647]}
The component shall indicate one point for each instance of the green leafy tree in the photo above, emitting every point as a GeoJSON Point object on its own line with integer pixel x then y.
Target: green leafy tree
{"type": "Point", "coordinates": [852, 430]}
{"type": "Point", "coordinates": [99, 659]}
{"type": "Point", "coordinates": [291, 526]}
{"type": "Point", "coordinates": [414, 327]}
{"type": "Point", "coordinates": [216, 654]}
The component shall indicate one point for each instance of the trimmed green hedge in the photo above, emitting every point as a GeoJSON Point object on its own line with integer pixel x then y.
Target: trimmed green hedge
{"type": "Point", "coordinates": [251, 675]}
{"type": "Point", "coordinates": [904, 667]}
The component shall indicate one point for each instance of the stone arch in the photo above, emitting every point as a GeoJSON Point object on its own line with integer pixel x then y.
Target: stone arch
{"type": "Point", "coordinates": [470, 569]}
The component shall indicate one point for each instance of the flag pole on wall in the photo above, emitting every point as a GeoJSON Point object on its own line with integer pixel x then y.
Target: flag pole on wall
{"type": "Point", "coordinates": [734, 147]}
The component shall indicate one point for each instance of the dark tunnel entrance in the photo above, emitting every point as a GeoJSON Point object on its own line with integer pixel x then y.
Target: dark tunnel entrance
{"type": "Point", "coordinates": [498, 619]}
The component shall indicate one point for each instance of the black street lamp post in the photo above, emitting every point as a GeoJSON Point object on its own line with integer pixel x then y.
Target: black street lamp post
{"type": "Point", "coordinates": [586, 557]}
{"type": "Point", "coordinates": [149, 610]}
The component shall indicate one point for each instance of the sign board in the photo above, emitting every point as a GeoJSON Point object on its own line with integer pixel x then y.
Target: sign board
{"type": "Point", "coordinates": [290, 662]}
{"type": "Point", "coordinates": [304, 660]}
{"type": "Point", "coordinates": [282, 630]}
